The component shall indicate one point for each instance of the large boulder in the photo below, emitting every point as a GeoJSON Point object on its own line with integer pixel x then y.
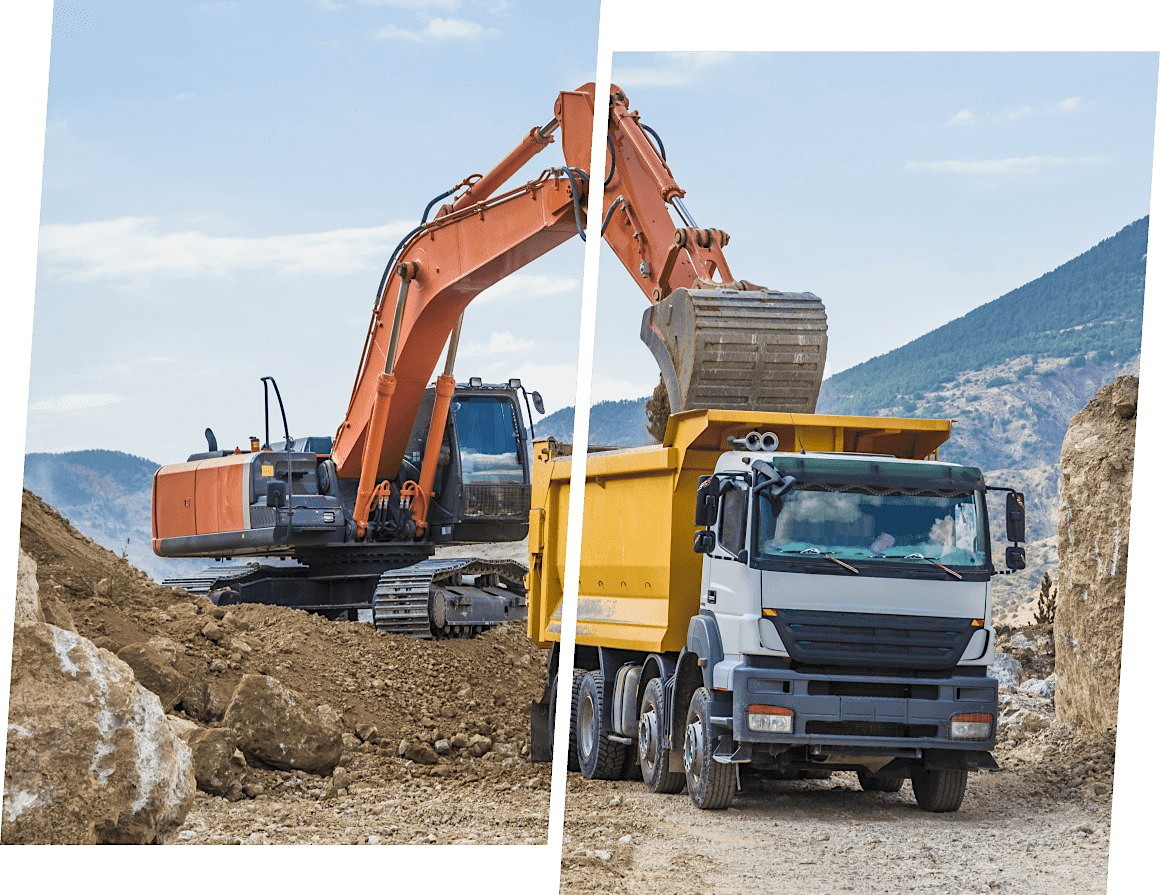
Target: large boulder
{"type": "Point", "coordinates": [218, 765]}
{"type": "Point", "coordinates": [1095, 507]}
{"type": "Point", "coordinates": [90, 756]}
{"type": "Point", "coordinates": [274, 727]}
{"type": "Point", "coordinates": [155, 670]}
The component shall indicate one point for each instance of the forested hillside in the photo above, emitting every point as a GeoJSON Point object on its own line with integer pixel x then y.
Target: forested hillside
{"type": "Point", "coordinates": [1089, 309]}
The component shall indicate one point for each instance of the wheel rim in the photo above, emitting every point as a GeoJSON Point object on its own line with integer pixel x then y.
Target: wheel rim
{"type": "Point", "coordinates": [694, 737]}
{"type": "Point", "coordinates": [647, 739]}
{"type": "Point", "coordinates": [587, 725]}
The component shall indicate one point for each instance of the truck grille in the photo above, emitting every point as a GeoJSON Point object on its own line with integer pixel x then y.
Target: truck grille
{"type": "Point", "coordinates": [873, 689]}
{"type": "Point", "coordinates": [872, 729]}
{"type": "Point", "coordinates": [874, 639]}
{"type": "Point", "coordinates": [497, 502]}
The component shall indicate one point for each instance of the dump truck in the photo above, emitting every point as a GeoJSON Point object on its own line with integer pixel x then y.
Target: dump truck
{"type": "Point", "coordinates": [789, 593]}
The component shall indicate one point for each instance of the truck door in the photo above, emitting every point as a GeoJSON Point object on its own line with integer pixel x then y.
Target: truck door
{"type": "Point", "coordinates": [728, 591]}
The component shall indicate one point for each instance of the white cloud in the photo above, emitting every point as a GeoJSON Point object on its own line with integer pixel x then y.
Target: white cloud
{"type": "Point", "coordinates": [439, 30]}
{"type": "Point", "coordinates": [1026, 164]}
{"type": "Point", "coordinates": [498, 345]}
{"type": "Point", "coordinates": [140, 248]}
{"type": "Point", "coordinates": [1063, 107]}
{"type": "Point", "coordinates": [71, 402]}
{"type": "Point", "coordinates": [523, 286]}
{"type": "Point", "coordinates": [670, 70]}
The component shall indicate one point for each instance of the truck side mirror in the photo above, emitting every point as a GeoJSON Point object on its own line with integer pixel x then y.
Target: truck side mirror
{"type": "Point", "coordinates": [276, 494]}
{"type": "Point", "coordinates": [538, 402]}
{"type": "Point", "coordinates": [704, 541]}
{"type": "Point", "coordinates": [1016, 559]}
{"type": "Point", "coordinates": [708, 493]}
{"type": "Point", "coordinates": [1016, 518]}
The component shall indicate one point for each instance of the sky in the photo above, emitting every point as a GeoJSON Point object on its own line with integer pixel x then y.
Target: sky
{"type": "Point", "coordinates": [903, 189]}
{"type": "Point", "coordinates": [224, 182]}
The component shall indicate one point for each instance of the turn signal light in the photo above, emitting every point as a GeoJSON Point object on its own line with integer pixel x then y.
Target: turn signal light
{"type": "Point", "coordinates": [770, 719]}
{"type": "Point", "coordinates": [971, 726]}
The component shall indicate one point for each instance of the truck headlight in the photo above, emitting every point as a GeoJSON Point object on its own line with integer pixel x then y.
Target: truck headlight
{"type": "Point", "coordinates": [770, 719]}
{"type": "Point", "coordinates": [971, 726]}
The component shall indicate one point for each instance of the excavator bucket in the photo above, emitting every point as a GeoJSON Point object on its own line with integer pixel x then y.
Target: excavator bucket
{"type": "Point", "coordinates": [738, 349]}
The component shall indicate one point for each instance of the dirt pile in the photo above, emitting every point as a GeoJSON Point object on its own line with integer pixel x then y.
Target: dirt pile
{"type": "Point", "coordinates": [460, 705]}
{"type": "Point", "coordinates": [1095, 507]}
{"type": "Point", "coordinates": [91, 759]}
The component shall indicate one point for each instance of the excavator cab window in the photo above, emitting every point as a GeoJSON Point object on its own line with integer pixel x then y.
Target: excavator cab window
{"type": "Point", "coordinates": [487, 429]}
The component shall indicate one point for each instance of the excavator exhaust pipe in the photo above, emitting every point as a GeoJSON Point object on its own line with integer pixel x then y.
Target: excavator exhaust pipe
{"type": "Point", "coordinates": [738, 349]}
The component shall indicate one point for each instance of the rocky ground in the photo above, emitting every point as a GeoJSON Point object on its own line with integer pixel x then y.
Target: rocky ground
{"type": "Point", "coordinates": [411, 741]}
{"type": "Point", "coordinates": [1038, 825]}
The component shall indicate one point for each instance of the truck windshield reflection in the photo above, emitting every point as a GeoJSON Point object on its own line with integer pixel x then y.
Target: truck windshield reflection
{"type": "Point", "coordinates": [868, 527]}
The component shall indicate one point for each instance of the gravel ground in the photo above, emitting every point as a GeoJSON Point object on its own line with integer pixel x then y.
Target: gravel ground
{"type": "Point", "coordinates": [484, 801]}
{"type": "Point", "coordinates": [1031, 828]}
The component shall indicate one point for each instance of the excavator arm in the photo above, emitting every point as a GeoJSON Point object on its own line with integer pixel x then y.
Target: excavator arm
{"type": "Point", "coordinates": [719, 342]}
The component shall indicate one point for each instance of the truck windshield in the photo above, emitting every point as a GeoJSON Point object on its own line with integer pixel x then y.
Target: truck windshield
{"type": "Point", "coordinates": [488, 448]}
{"type": "Point", "coordinates": [873, 525]}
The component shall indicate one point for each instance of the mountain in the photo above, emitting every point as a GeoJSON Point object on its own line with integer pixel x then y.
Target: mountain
{"type": "Point", "coordinates": [106, 495]}
{"type": "Point", "coordinates": [611, 424]}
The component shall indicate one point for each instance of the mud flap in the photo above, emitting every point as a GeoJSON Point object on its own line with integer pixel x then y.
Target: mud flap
{"type": "Point", "coordinates": [542, 733]}
{"type": "Point", "coordinates": [739, 349]}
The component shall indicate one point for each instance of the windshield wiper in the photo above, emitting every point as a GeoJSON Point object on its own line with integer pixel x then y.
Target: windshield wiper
{"type": "Point", "coordinates": [814, 551]}
{"type": "Point", "coordinates": [933, 562]}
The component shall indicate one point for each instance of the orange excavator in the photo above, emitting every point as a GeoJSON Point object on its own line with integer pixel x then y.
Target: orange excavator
{"type": "Point", "coordinates": [356, 518]}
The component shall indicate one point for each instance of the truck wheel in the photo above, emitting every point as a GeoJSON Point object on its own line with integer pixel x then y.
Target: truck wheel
{"type": "Point", "coordinates": [654, 758]}
{"type": "Point", "coordinates": [873, 783]}
{"type": "Point", "coordinates": [938, 789]}
{"type": "Point", "coordinates": [600, 758]}
{"type": "Point", "coordinates": [711, 783]}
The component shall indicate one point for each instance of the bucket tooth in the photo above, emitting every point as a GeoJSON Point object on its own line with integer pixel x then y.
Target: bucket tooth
{"type": "Point", "coordinates": [734, 349]}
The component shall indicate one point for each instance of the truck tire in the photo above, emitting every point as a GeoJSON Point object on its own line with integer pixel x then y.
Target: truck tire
{"type": "Point", "coordinates": [573, 757]}
{"type": "Point", "coordinates": [711, 784]}
{"type": "Point", "coordinates": [654, 758]}
{"type": "Point", "coordinates": [938, 789]}
{"type": "Point", "coordinates": [873, 783]}
{"type": "Point", "coordinates": [600, 758]}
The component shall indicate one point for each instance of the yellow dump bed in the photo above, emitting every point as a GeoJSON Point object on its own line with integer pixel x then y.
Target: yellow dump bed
{"type": "Point", "coordinates": [639, 577]}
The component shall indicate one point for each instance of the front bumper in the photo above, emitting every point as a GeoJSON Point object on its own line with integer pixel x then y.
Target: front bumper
{"type": "Point", "coordinates": [852, 712]}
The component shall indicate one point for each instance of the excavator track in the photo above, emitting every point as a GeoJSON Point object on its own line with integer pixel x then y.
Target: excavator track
{"type": "Point", "coordinates": [432, 599]}
{"type": "Point", "coordinates": [202, 584]}
{"type": "Point", "coordinates": [739, 349]}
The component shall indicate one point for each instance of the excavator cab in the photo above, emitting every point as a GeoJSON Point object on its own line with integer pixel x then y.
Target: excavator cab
{"type": "Point", "coordinates": [483, 483]}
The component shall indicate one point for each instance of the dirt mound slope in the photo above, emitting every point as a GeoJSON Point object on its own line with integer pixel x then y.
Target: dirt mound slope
{"type": "Point", "coordinates": [391, 695]}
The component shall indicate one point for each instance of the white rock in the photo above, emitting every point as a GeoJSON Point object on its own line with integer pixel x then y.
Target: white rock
{"type": "Point", "coordinates": [1006, 669]}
